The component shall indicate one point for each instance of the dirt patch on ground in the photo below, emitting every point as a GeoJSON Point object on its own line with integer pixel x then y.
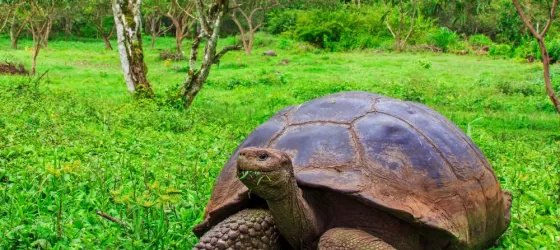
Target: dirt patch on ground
{"type": "Point", "coordinates": [8, 68]}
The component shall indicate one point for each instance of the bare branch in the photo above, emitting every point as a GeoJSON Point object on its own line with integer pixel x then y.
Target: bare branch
{"type": "Point", "coordinates": [164, 30]}
{"type": "Point", "coordinates": [544, 53]}
{"type": "Point", "coordinates": [389, 27]}
{"type": "Point", "coordinates": [112, 31]}
{"type": "Point", "coordinates": [9, 14]}
{"type": "Point", "coordinates": [236, 21]}
{"type": "Point", "coordinates": [254, 11]}
{"type": "Point", "coordinates": [245, 14]}
{"type": "Point", "coordinates": [110, 218]}
{"type": "Point", "coordinates": [526, 20]}
{"type": "Point", "coordinates": [411, 24]}
{"type": "Point", "coordinates": [186, 29]}
{"type": "Point", "coordinates": [187, 11]}
{"type": "Point", "coordinates": [195, 79]}
{"type": "Point", "coordinates": [224, 51]}
{"type": "Point", "coordinates": [550, 19]}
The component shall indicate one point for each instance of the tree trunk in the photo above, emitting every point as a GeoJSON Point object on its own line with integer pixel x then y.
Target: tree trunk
{"type": "Point", "coordinates": [210, 28]}
{"type": "Point", "coordinates": [14, 42]}
{"type": "Point", "coordinates": [546, 72]}
{"type": "Point", "coordinates": [247, 36]}
{"type": "Point", "coordinates": [178, 35]}
{"type": "Point", "coordinates": [540, 40]}
{"type": "Point", "coordinates": [107, 42]}
{"type": "Point", "coordinates": [15, 32]}
{"type": "Point", "coordinates": [35, 55]}
{"type": "Point", "coordinates": [129, 37]}
{"type": "Point", "coordinates": [67, 28]}
{"type": "Point", "coordinates": [47, 34]}
{"type": "Point", "coordinates": [251, 40]}
{"type": "Point", "coordinates": [179, 44]}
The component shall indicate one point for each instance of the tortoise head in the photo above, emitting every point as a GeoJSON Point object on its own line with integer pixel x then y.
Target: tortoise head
{"type": "Point", "coordinates": [266, 172]}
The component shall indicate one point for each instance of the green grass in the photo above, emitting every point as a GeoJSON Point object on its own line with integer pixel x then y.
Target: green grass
{"type": "Point", "coordinates": [76, 141]}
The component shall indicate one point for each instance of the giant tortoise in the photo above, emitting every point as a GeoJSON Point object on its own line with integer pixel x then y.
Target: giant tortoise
{"type": "Point", "coordinates": [355, 170]}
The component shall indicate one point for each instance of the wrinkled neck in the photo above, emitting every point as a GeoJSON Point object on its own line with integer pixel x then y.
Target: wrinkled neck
{"type": "Point", "coordinates": [294, 217]}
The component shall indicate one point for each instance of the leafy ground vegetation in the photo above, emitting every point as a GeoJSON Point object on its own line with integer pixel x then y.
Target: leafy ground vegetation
{"type": "Point", "coordinates": [74, 144]}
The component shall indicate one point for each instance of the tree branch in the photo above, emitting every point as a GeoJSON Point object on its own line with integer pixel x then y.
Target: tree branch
{"type": "Point", "coordinates": [525, 19]}
{"type": "Point", "coordinates": [224, 51]}
{"type": "Point", "coordinates": [7, 18]}
{"type": "Point", "coordinates": [411, 23]}
{"type": "Point", "coordinates": [389, 27]}
{"type": "Point", "coordinates": [188, 28]}
{"type": "Point", "coordinates": [108, 217]}
{"type": "Point", "coordinates": [163, 30]}
{"type": "Point", "coordinates": [202, 18]}
{"type": "Point", "coordinates": [545, 56]}
{"type": "Point", "coordinates": [260, 24]}
{"type": "Point", "coordinates": [550, 19]}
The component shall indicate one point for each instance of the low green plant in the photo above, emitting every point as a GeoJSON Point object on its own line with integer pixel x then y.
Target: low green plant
{"type": "Point", "coordinates": [76, 145]}
{"type": "Point", "coordinates": [443, 38]}
{"type": "Point", "coordinates": [527, 50]}
{"type": "Point", "coordinates": [480, 40]}
{"type": "Point", "coordinates": [500, 50]}
{"type": "Point", "coordinates": [425, 63]}
{"type": "Point", "coordinates": [341, 30]}
{"type": "Point", "coordinates": [279, 22]}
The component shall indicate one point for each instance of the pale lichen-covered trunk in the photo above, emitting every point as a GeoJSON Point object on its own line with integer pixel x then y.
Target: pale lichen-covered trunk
{"type": "Point", "coordinates": [210, 28]}
{"type": "Point", "coordinates": [129, 37]}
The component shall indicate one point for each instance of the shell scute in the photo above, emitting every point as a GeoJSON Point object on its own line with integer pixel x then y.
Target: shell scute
{"type": "Point", "coordinates": [452, 148]}
{"type": "Point", "coordinates": [392, 148]}
{"type": "Point", "coordinates": [343, 108]}
{"type": "Point", "coordinates": [317, 145]}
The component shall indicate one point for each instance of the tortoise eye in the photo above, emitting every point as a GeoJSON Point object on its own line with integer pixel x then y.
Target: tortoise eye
{"type": "Point", "coordinates": [263, 157]}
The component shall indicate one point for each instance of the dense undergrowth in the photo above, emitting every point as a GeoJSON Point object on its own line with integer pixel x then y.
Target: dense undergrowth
{"type": "Point", "coordinates": [74, 143]}
{"type": "Point", "coordinates": [498, 30]}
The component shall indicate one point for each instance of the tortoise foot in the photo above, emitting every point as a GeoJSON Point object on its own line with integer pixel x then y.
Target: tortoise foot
{"type": "Point", "coordinates": [248, 229]}
{"type": "Point", "coordinates": [348, 239]}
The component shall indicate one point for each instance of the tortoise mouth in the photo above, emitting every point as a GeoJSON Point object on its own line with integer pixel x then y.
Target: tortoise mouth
{"type": "Point", "coordinates": [252, 173]}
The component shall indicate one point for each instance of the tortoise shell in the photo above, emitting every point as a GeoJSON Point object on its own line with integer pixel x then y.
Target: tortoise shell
{"type": "Point", "coordinates": [399, 156]}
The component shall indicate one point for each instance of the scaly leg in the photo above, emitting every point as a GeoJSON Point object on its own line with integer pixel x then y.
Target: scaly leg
{"type": "Point", "coordinates": [248, 229]}
{"type": "Point", "coordinates": [348, 239]}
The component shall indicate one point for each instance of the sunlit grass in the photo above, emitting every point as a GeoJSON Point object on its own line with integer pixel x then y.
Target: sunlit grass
{"type": "Point", "coordinates": [78, 142]}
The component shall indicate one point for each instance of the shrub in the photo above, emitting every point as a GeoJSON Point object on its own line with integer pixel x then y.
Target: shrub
{"type": "Point", "coordinates": [553, 48]}
{"type": "Point", "coordinates": [444, 38]}
{"type": "Point", "coordinates": [323, 28]}
{"type": "Point", "coordinates": [530, 49]}
{"type": "Point", "coordinates": [343, 29]}
{"type": "Point", "coordinates": [500, 50]}
{"type": "Point", "coordinates": [347, 28]}
{"type": "Point", "coordinates": [460, 47]}
{"type": "Point", "coordinates": [423, 27]}
{"type": "Point", "coordinates": [281, 21]}
{"type": "Point", "coordinates": [480, 40]}
{"type": "Point", "coordinates": [527, 50]}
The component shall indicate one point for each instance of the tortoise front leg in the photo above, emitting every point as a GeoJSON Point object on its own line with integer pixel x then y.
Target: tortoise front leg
{"type": "Point", "coordinates": [348, 239]}
{"type": "Point", "coordinates": [248, 229]}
